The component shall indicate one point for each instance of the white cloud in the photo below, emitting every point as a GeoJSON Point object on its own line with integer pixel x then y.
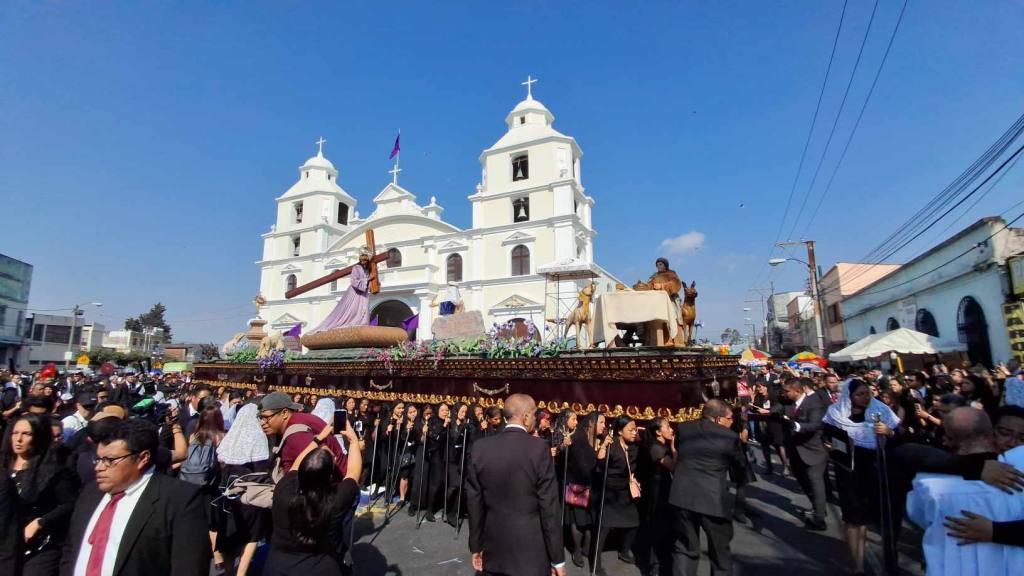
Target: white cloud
{"type": "Point", "coordinates": [689, 242]}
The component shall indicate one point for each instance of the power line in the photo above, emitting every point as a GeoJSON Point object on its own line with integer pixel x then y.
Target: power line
{"type": "Point", "coordinates": [856, 124]}
{"type": "Point", "coordinates": [835, 123]}
{"type": "Point", "coordinates": [807, 141]}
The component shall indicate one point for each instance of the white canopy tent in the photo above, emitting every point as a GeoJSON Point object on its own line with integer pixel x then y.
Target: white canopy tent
{"type": "Point", "coordinates": [901, 341]}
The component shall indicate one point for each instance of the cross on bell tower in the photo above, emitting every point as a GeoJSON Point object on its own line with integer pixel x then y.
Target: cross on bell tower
{"type": "Point", "coordinates": [320, 146]}
{"type": "Point", "coordinates": [530, 81]}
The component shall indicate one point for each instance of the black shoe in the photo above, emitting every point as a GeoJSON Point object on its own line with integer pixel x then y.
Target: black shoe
{"type": "Point", "coordinates": [627, 557]}
{"type": "Point", "coordinates": [577, 559]}
{"type": "Point", "coordinates": [430, 518]}
{"type": "Point", "coordinates": [411, 511]}
{"type": "Point", "coordinates": [816, 524]}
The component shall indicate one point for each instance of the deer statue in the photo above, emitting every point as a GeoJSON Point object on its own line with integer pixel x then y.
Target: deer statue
{"type": "Point", "coordinates": [689, 313]}
{"type": "Point", "coordinates": [580, 316]}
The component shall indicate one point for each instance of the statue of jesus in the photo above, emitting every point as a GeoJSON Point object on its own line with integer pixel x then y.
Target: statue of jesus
{"type": "Point", "coordinates": [352, 309]}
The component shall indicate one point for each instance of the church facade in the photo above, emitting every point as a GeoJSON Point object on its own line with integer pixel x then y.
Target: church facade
{"type": "Point", "coordinates": [529, 250]}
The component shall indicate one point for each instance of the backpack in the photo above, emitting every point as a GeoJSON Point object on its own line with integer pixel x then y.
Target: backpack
{"type": "Point", "coordinates": [257, 488]}
{"type": "Point", "coordinates": [200, 466]}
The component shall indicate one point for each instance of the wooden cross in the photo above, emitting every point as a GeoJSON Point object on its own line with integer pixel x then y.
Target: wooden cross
{"type": "Point", "coordinates": [374, 284]}
{"type": "Point", "coordinates": [529, 86]}
{"type": "Point", "coordinates": [320, 143]}
{"type": "Point", "coordinates": [394, 173]}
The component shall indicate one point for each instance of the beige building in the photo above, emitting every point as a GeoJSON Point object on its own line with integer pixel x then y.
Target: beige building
{"type": "Point", "coordinates": [841, 281]}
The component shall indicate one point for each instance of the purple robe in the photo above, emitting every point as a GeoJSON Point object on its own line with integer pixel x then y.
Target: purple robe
{"type": "Point", "coordinates": [352, 309]}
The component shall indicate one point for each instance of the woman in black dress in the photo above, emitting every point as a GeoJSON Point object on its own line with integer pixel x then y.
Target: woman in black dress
{"type": "Point", "coordinates": [658, 460]}
{"type": "Point", "coordinates": [244, 450]}
{"type": "Point", "coordinates": [614, 501]}
{"type": "Point", "coordinates": [309, 505]}
{"type": "Point", "coordinates": [578, 483]}
{"type": "Point", "coordinates": [437, 441]}
{"type": "Point", "coordinates": [460, 437]}
{"type": "Point", "coordinates": [45, 493]}
{"type": "Point", "coordinates": [864, 419]}
{"type": "Point", "coordinates": [410, 438]}
{"type": "Point", "coordinates": [769, 430]}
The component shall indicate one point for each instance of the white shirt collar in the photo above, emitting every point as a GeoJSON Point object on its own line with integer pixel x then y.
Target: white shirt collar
{"type": "Point", "coordinates": [520, 426]}
{"type": "Point", "coordinates": [141, 483]}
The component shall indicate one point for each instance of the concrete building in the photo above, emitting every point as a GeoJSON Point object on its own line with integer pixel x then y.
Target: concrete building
{"type": "Point", "coordinates": [92, 337]}
{"type": "Point", "coordinates": [956, 290]}
{"type": "Point", "coordinates": [530, 213]}
{"type": "Point", "coordinates": [803, 330]}
{"type": "Point", "coordinates": [146, 341]}
{"type": "Point", "coordinates": [842, 280]}
{"type": "Point", "coordinates": [779, 330]}
{"type": "Point", "coordinates": [48, 336]}
{"type": "Point", "coordinates": [15, 284]}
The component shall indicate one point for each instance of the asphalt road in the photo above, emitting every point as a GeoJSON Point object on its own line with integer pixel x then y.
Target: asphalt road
{"type": "Point", "coordinates": [775, 542]}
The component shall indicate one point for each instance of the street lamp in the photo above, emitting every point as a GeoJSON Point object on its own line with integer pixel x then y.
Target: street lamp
{"type": "Point", "coordinates": [74, 324]}
{"type": "Point", "coordinates": [813, 272]}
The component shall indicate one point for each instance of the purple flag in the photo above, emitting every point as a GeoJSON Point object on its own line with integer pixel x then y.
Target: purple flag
{"type": "Point", "coordinates": [295, 331]}
{"type": "Point", "coordinates": [397, 147]}
{"type": "Point", "coordinates": [411, 323]}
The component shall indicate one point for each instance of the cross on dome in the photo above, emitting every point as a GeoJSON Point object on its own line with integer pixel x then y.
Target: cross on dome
{"type": "Point", "coordinates": [530, 81]}
{"type": "Point", "coordinates": [320, 146]}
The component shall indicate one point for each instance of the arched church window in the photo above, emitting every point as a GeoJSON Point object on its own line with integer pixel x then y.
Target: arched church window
{"type": "Point", "coordinates": [298, 212]}
{"type": "Point", "coordinates": [520, 261]}
{"type": "Point", "coordinates": [872, 330]}
{"type": "Point", "coordinates": [291, 282]}
{"type": "Point", "coordinates": [520, 167]}
{"type": "Point", "coordinates": [342, 213]}
{"type": "Point", "coordinates": [454, 265]}
{"type": "Point", "coordinates": [521, 210]}
{"type": "Point", "coordinates": [296, 244]}
{"type": "Point", "coordinates": [925, 322]}
{"type": "Point", "coordinates": [891, 324]}
{"type": "Point", "coordinates": [394, 258]}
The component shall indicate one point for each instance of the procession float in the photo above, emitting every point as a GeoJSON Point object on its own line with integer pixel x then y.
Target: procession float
{"type": "Point", "coordinates": [646, 367]}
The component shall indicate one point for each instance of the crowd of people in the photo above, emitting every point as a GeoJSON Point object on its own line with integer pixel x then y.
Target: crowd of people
{"type": "Point", "coordinates": [163, 475]}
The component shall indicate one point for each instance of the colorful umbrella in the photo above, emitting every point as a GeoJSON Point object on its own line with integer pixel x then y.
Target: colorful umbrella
{"type": "Point", "coordinates": [754, 357]}
{"type": "Point", "coordinates": [810, 357]}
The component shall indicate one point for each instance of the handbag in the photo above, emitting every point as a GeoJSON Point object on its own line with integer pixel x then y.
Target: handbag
{"type": "Point", "coordinates": [577, 495]}
{"type": "Point", "coordinates": [257, 488]}
{"type": "Point", "coordinates": [634, 484]}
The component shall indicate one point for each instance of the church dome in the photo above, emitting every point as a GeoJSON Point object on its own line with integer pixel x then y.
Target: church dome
{"type": "Point", "coordinates": [318, 161]}
{"type": "Point", "coordinates": [530, 104]}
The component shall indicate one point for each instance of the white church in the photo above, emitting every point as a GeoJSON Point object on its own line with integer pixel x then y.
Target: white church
{"type": "Point", "coordinates": [529, 251]}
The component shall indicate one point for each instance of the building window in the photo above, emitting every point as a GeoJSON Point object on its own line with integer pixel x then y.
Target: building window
{"type": "Point", "coordinates": [37, 332]}
{"type": "Point", "coordinates": [328, 177]}
{"type": "Point", "coordinates": [307, 173]}
{"type": "Point", "coordinates": [342, 213]}
{"type": "Point", "coordinates": [872, 330]}
{"type": "Point", "coordinates": [833, 314]}
{"type": "Point", "coordinates": [891, 324]}
{"type": "Point", "coordinates": [290, 283]}
{"type": "Point", "coordinates": [394, 258]}
{"type": "Point", "coordinates": [454, 263]}
{"type": "Point", "coordinates": [925, 322]}
{"type": "Point", "coordinates": [522, 120]}
{"type": "Point", "coordinates": [521, 210]}
{"type": "Point", "coordinates": [520, 261]}
{"type": "Point", "coordinates": [3, 316]}
{"type": "Point", "coordinates": [296, 242]}
{"type": "Point", "coordinates": [57, 334]}
{"type": "Point", "coordinates": [298, 212]}
{"type": "Point", "coordinates": [520, 167]}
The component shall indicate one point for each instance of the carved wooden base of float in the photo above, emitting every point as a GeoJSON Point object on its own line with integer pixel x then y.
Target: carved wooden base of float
{"type": "Point", "coordinates": [355, 337]}
{"type": "Point", "coordinates": [672, 385]}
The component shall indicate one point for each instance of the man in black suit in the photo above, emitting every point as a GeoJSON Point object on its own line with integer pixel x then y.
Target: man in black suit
{"type": "Point", "coordinates": [807, 454]}
{"type": "Point", "coordinates": [699, 497]}
{"type": "Point", "coordinates": [133, 521]}
{"type": "Point", "coordinates": [512, 498]}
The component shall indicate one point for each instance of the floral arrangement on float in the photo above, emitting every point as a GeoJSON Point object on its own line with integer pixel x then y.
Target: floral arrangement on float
{"type": "Point", "coordinates": [500, 341]}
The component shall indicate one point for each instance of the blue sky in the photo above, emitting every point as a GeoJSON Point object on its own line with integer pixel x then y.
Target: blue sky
{"type": "Point", "coordinates": [142, 144]}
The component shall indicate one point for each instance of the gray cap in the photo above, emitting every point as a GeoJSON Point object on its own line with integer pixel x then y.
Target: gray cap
{"type": "Point", "coordinates": [278, 401]}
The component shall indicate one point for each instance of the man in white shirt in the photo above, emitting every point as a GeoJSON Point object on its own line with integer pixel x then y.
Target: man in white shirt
{"type": "Point", "coordinates": [133, 521]}
{"type": "Point", "coordinates": [72, 424]}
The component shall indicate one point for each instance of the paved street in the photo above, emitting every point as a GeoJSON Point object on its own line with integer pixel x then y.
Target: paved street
{"type": "Point", "coordinates": [775, 542]}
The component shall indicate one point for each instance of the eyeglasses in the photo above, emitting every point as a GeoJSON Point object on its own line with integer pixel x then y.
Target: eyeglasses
{"type": "Point", "coordinates": [269, 417]}
{"type": "Point", "coordinates": [103, 462]}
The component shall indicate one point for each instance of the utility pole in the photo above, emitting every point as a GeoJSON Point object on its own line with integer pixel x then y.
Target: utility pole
{"type": "Point", "coordinates": [812, 269]}
{"type": "Point", "coordinates": [764, 314]}
{"type": "Point", "coordinates": [71, 337]}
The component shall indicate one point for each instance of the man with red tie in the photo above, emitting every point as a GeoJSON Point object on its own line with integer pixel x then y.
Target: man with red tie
{"type": "Point", "coordinates": [829, 391]}
{"type": "Point", "coordinates": [133, 521]}
{"type": "Point", "coordinates": [804, 446]}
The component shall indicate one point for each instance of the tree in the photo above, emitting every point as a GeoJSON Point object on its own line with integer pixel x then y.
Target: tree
{"type": "Point", "coordinates": [152, 319]}
{"type": "Point", "coordinates": [731, 336]}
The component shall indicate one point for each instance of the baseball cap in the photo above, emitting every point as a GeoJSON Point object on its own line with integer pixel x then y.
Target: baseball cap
{"type": "Point", "coordinates": [87, 399]}
{"type": "Point", "coordinates": [278, 401]}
